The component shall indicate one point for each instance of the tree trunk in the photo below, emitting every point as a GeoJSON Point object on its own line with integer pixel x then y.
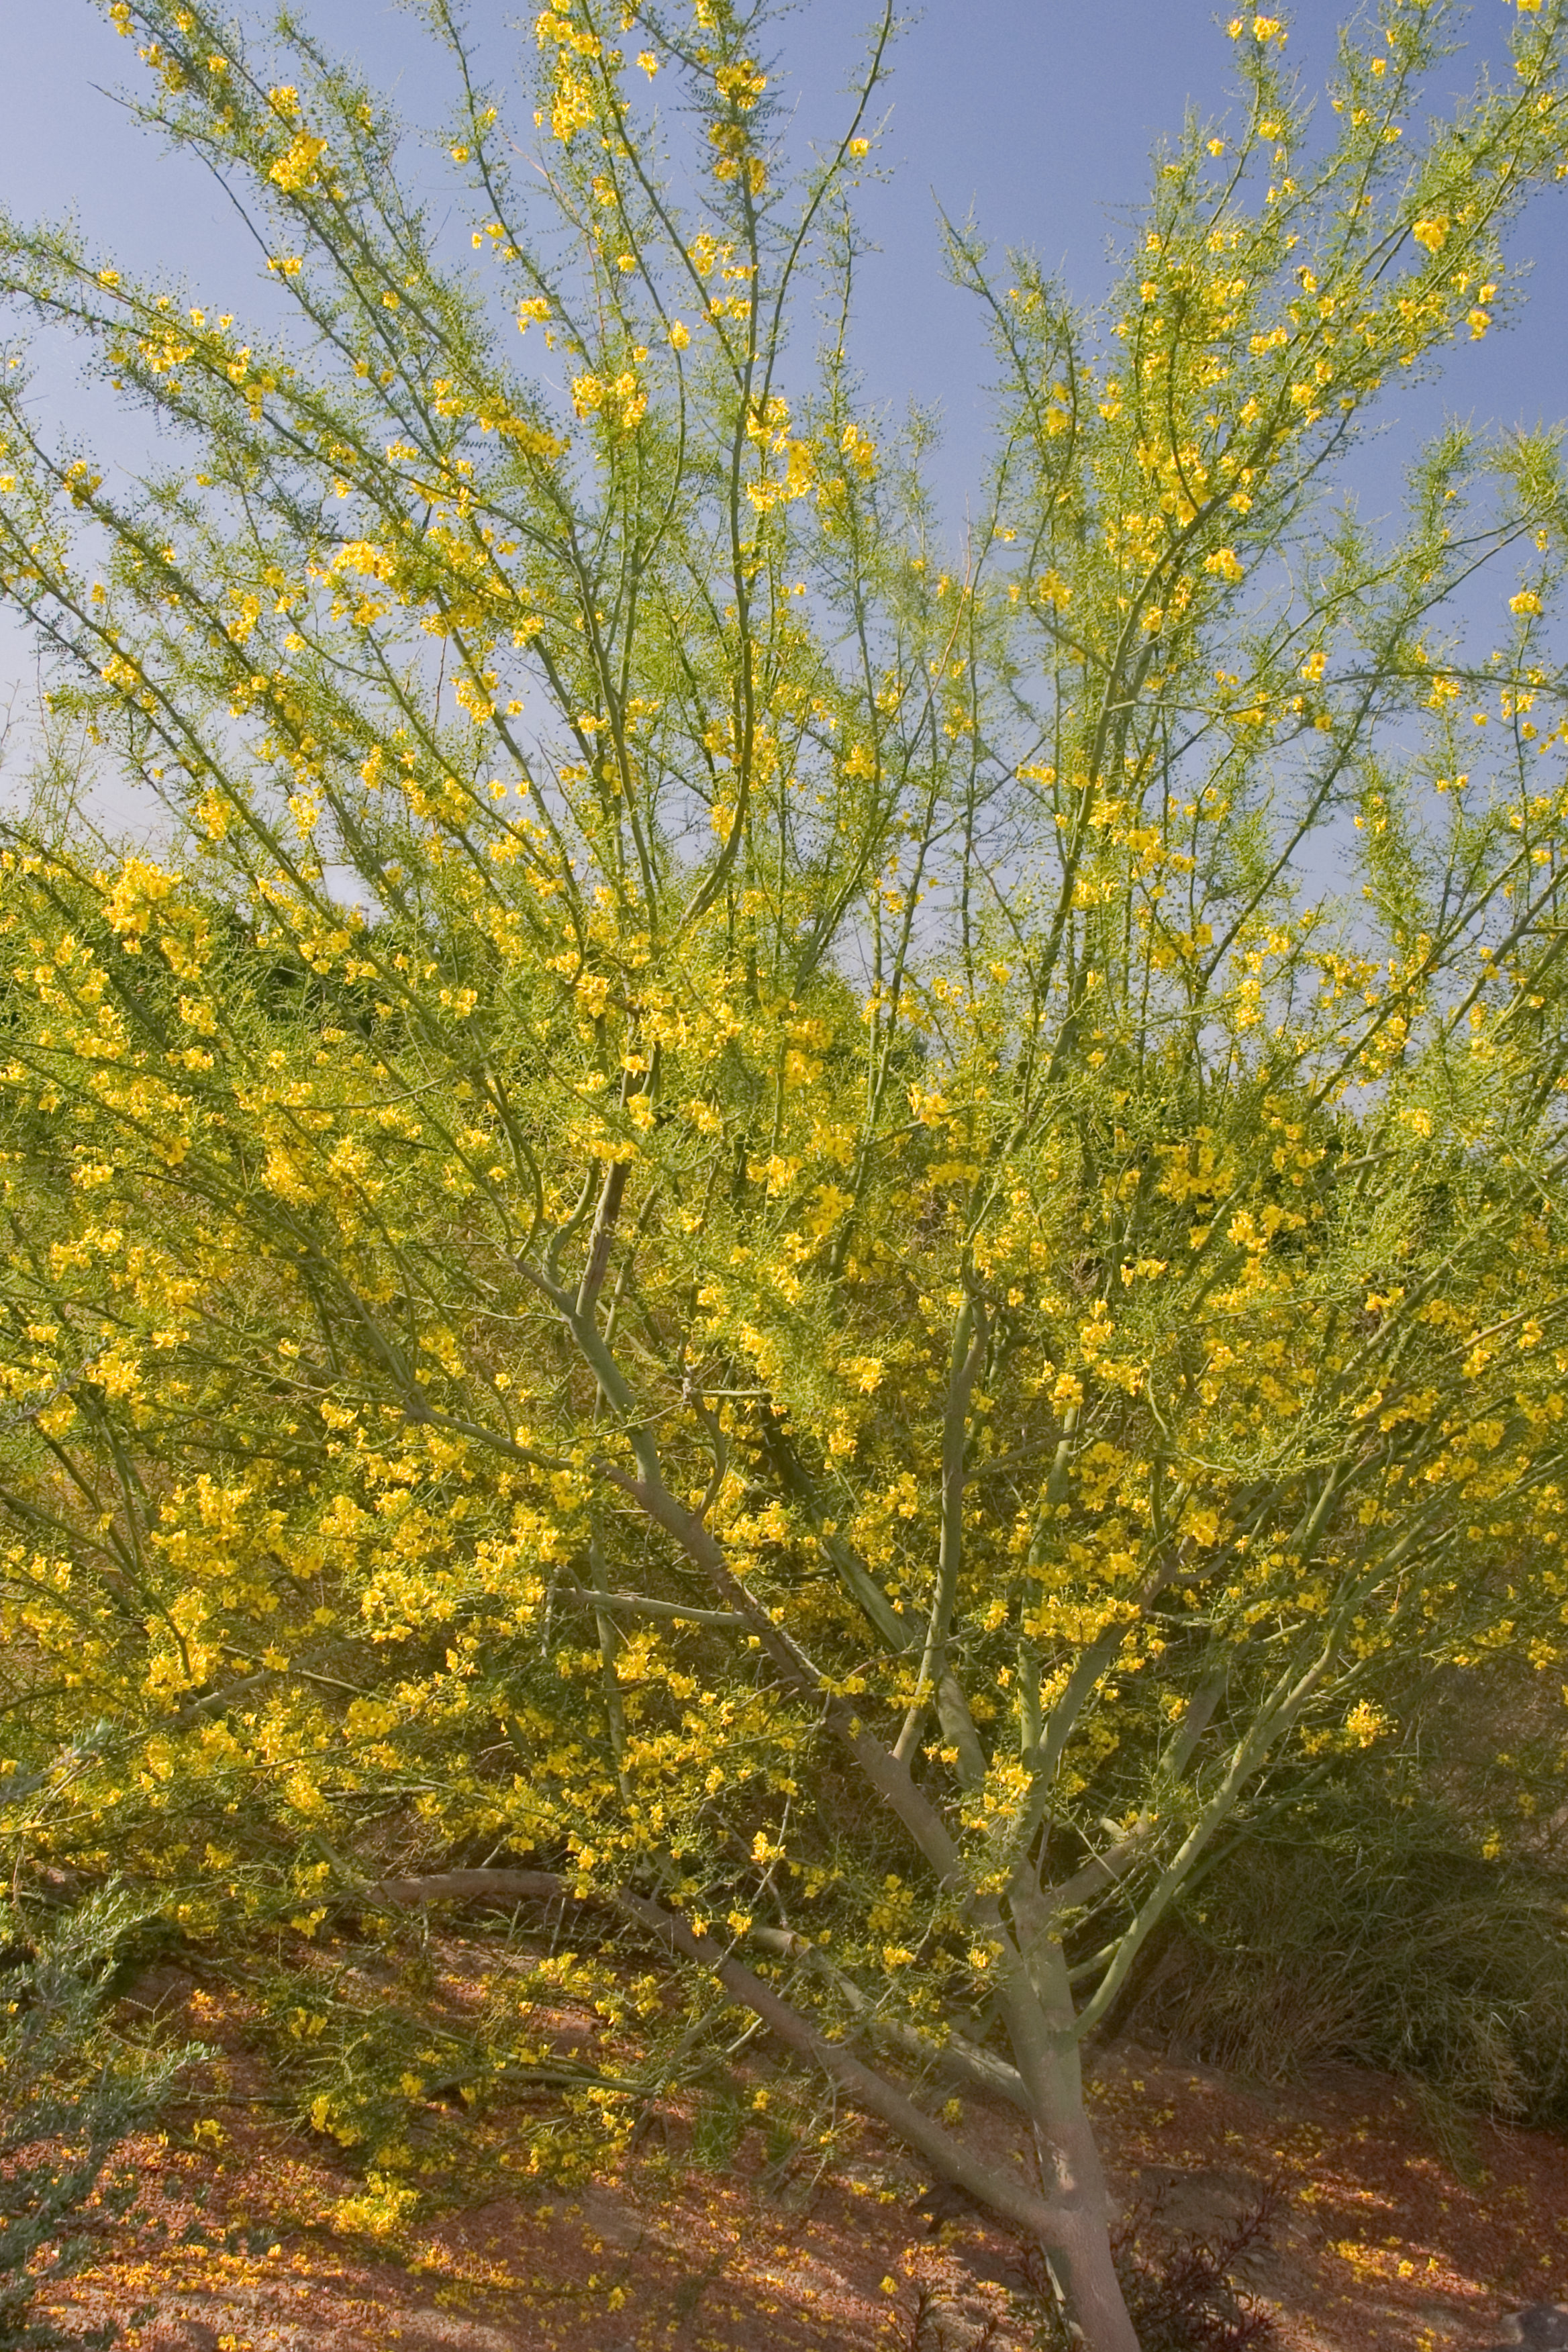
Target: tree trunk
{"type": "Point", "coordinates": [1080, 2249]}
{"type": "Point", "coordinates": [1078, 2245]}
{"type": "Point", "coordinates": [1037, 2010]}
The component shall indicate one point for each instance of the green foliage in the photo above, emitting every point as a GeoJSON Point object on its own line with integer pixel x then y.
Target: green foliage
{"type": "Point", "coordinates": [720, 2122]}
{"type": "Point", "coordinates": [369, 2046]}
{"type": "Point", "coordinates": [69, 2092]}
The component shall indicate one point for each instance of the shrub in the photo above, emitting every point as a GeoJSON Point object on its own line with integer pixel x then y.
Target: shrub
{"type": "Point", "coordinates": [1379, 1935]}
{"type": "Point", "coordinates": [68, 2092]}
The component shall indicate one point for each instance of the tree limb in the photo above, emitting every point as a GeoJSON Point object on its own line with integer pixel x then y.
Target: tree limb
{"type": "Point", "coordinates": [1005, 2195]}
{"type": "Point", "coordinates": [958, 2055]}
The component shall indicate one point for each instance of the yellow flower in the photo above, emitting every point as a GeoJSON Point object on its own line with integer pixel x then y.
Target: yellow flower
{"type": "Point", "coordinates": [1432, 234]}
{"type": "Point", "coordinates": [142, 887]}
{"type": "Point", "coordinates": [1527, 601]}
{"type": "Point", "coordinates": [860, 450]}
{"type": "Point", "coordinates": [573, 108]}
{"type": "Point", "coordinates": [295, 169]}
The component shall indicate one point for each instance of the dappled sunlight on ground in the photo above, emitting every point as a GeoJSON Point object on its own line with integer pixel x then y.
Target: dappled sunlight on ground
{"type": "Point", "coordinates": [250, 2233]}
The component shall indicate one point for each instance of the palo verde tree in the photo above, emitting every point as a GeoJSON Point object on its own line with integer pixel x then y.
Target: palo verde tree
{"type": "Point", "coordinates": [843, 1245]}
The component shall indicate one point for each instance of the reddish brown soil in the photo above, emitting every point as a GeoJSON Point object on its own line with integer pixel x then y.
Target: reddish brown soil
{"type": "Point", "coordinates": [246, 2238]}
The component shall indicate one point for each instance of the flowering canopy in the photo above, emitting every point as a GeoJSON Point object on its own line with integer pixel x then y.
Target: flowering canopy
{"type": "Point", "coordinates": [722, 1165]}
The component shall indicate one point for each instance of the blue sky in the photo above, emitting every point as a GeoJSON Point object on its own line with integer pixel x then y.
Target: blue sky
{"type": "Point", "coordinates": [1040, 113]}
